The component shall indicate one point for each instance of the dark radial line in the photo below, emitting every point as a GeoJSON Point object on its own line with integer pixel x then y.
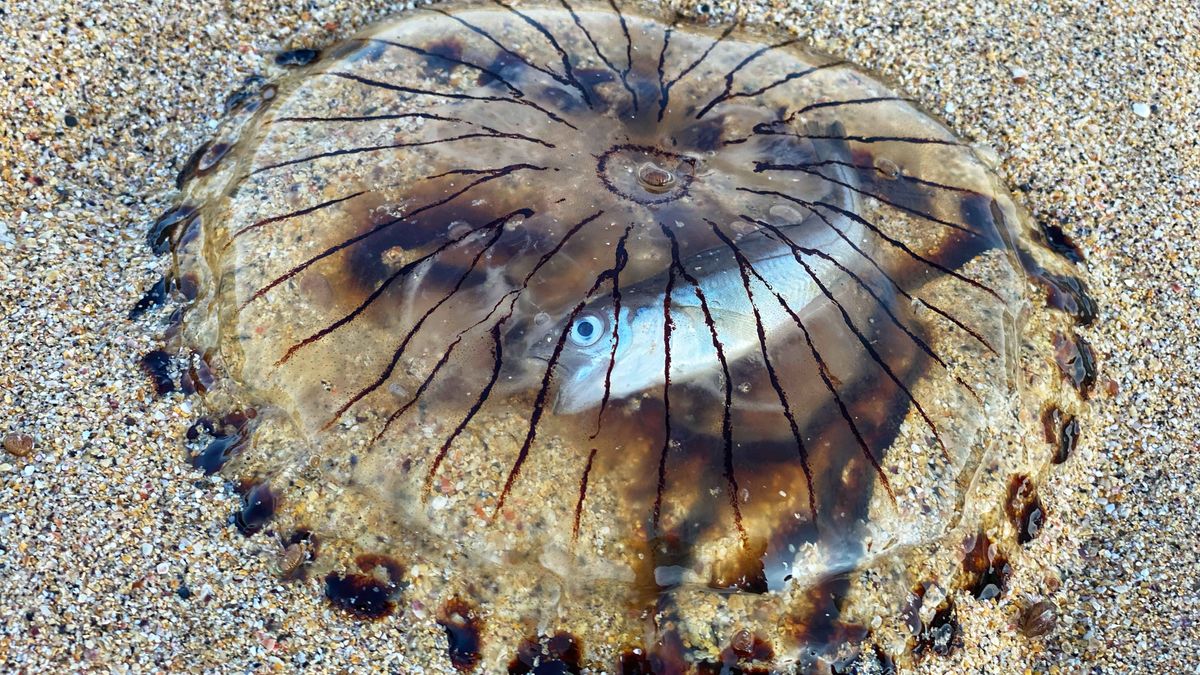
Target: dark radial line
{"type": "Point", "coordinates": [317, 207]}
{"type": "Point", "coordinates": [455, 96]}
{"type": "Point", "coordinates": [293, 214]}
{"type": "Point", "coordinates": [900, 289]}
{"type": "Point", "coordinates": [399, 274]}
{"type": "Point", "coordinates": [766, 130]}
{"type": "Point", "coordinates": [620, 259]}
{"type": "Point", "coordinates": [622, 75]}
{"type": "Point", "coordinates": [778, 235]}
{"type": "Point", "coordinates": [662, 62]}
{"type": "Point", "coordinates": [539, 404]}
{"type": "Point", "coordinates": [745, 267]}
{"type": "Point", "coordinates": [879, 233]}
{"type": "Point", "coordinates": [539, 408]}
{"type": "Point", "coordinates": [759, 167]}
{"type": "Point", "coordinates": [497, 354]}
{"type": "Point", "coordinates": [494, 331]}
{"type": "Point", "coordinates": [727, 412]}
{"type": "Point", "coordinates": [368, 118]}
{"type": "Point", "coordinates": [668, 326]}
{"type": "Point", "coordinates": [476, 405]}
{"type": "Point", "coordinates": [493, 175]}
{"type": "Point", "coordinates": [488, 133]}
{"type": "Point", "coordinates": [880, 198]}
{"type": "Point", "coordinates": [839, 104]}
{"type": "Point", "coordinates": [583, 486]}
{"type": "Point", "coordinates": [728, 89]}
{"type": "Point", "coordinates": [628, 52]}
{"type": "Point", "coordinates": [516, 91]}
{"type": "Point", "coordinates": [780, 393]}
{"type": "Point", "coordinates": [490, 38]}
{"type": "Point", "coordinates": [565, 58]}
{"type": "Point", "coordinates": [664, 100]}
{"type": "Point", "coordinates": [790, 77]}
{"type": "Point", "coordinates": [496, 225]}
{"type": "Point", "coordinates": [862, 339]}
{"type": "Point", "coordinates": [867, 345]}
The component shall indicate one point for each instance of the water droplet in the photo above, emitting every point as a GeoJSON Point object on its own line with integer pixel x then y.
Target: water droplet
{"type": "Point", "coordinates": [784, 214]}
{"type": "Point", "coordinates": [887, 167]}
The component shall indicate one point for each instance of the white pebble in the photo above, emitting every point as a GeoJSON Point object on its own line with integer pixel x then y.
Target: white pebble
{"type": "Point", "coordinates": [1141, 110]}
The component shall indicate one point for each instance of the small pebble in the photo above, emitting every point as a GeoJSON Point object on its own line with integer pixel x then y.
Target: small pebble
{"type": "Point", "coordinates": [18, 445]}
{"type": "Point", "coordinates": [1038, 619]}
{"type": "Point", "coordinates": [291, 559]}
{"type": "Point", "coordinates": [1141, 110]}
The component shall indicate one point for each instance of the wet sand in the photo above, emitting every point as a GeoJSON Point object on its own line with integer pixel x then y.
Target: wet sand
{"type": "Point", "coordinates": [117, 556]}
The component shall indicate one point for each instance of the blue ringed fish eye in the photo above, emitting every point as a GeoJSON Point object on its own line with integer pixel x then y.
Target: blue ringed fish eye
{"type": "Point", "coordinates": [586, 330]}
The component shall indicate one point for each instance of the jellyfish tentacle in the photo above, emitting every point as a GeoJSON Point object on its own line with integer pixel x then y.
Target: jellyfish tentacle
{"type": "Point", "coordinates": [312, 119]}
{"type": "Point", "coordinates": [308, 210]}
{"type": "Point", "coordinates": [488, 133]}
{"type": "Point", "coordinates": [760, 167]}
{"type": "Point", "coordinates": [583, 486]}
{"type": "Point", "coordinates": [668, 326]}
{"type": "Point", "coordinates": [661, 68]}
{"type": "Point", "coordinates": [900, 288]}
{"type": "Point", "coordinates": [766, 130]}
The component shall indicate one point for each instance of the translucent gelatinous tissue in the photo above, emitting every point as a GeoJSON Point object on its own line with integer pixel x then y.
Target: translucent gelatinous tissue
{"type": "Point", "coordinates": [612, 324]}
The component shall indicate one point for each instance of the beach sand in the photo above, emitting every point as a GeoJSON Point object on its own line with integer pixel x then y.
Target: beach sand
{"type": "Point", "coordinates": [116, 556]}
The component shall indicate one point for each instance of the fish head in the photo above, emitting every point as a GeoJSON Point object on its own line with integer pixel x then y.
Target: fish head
{"type": "Point", "coordinates": [603, 351]}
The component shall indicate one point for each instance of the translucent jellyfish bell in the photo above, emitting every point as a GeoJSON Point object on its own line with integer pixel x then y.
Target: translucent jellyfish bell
{"type": "Point", "coordinates": [600, 312]}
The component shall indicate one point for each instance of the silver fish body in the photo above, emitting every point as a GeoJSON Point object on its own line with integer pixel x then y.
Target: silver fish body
{"type": "Point", "coordinates": [779, 264]}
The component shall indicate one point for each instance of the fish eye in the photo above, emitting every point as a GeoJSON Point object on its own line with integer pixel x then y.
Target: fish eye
{"type": "Point", "coordinates": [586, 330]}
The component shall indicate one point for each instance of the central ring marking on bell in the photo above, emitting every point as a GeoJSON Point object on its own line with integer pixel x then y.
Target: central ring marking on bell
{"type": "Point", "coordinates": [645, 174]}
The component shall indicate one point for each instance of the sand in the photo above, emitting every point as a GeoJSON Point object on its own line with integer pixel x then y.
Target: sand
{"type": "Point", "coordinates": [116, 556]}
